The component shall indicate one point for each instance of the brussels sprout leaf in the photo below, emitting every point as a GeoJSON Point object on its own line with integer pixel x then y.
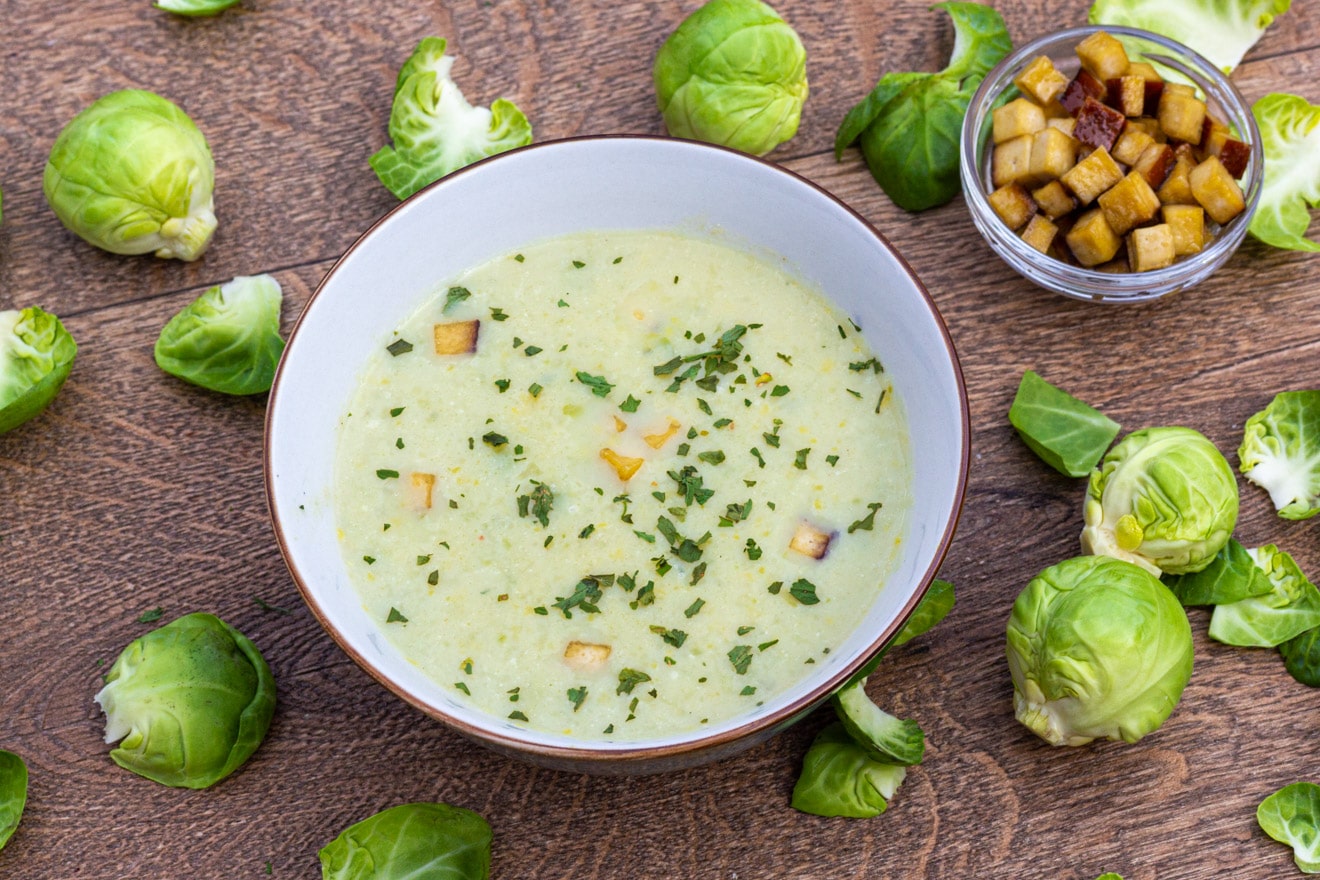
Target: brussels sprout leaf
{"type": "Point", "coordinates": [1301, 656]}
{"type": "Point", "coordinates": [840, 778]}
{"type": "Point", "coordinates": [1221, 30]}
{"type": "Point", "coordinates": [421, 840]}
{"type": "Point", "coordinates": [228, 339]}
{"type": "Point", "coordinates": [1110, 875]}
{"type": "Point", "coordinates": [1068, 435]}
{"type": "Point", "coordinates": [1230, 577]}
{"type": "Point", "coordinates": [1290, 135]}
{"type": "Point", "coordinates": [36, 355]}
{"type": "Point", "coordinates": [884, 737]}
{"type": "Point", "coordinates": [910, 124]}
{"type": "Point", "coordinates": [13, 793]}
{"type": "Point", "coordinates": [1280, 452]}
{"type": "Point", "coordinates": [194, 8]}
{"type": "Point", "coordinates": [1290, 608]}
{"type": "Point", "coordinates": [934, 607]}
{"type": "Point", "coordinates": [435, 130]}
{"type": "Point", "coordinates": [1292, 815]}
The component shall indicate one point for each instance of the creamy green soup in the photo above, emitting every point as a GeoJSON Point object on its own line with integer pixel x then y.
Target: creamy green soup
{"type": "Point", "coordinates": [620, 485]}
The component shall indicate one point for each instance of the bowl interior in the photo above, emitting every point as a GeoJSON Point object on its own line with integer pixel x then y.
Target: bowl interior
{"type": "Point", "coordinates": [551, 189]}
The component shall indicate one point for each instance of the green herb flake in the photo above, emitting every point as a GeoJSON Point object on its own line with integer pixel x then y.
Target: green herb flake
{"type": "Point", "coordinates": [532, 351]}
{"type": "Point", "coordinates": [800, 459]}
{"type": "Point", "coordinates": [422, 560]}
{"type": "Point", "coordinates": [586, 532]}
{"type": "Point", "coordinates": [629, 679]}
{"type": "Point", "coordinates": [515, 715]}
{"type": "Point", "coordinates": [494, 440]}
{"type": "Point", "coordinates": [785, 358]}
{"type": "Point", "coordinates": [395, 616]}
{"type": "Point", "coordinates": [769, 644]}
{"type": "Point", "coordinates": [535, 390]}
{"type": "Point", "coordinates": [598, 384]}
{"type": "Point", "coordinates": [398, 443]}
{"type": "Point", "coordinates": [779, 391]}
{"type": "Point", "coordinates": [744, 630]}
{"type": "Point", "coordinates": [541, 610]}
{"type": "Point", "coordinates": [694, 608]}
{"type": "Point", "coordinates": [503, 385]}
{"type": "Point", "coordinates": [519, 257]}
{"type": "Point", "coordinates": [832, 460]}
{"type": "Point", "coordinates": [434, 577]}
{"type": "Point", "coordinates": [578, 264]}
{"type": "Point", "coordinates": [514, 693]}
{"type": "Point", "coordinates": [712, 456]}
{"type": "Point", "coordinates": [675, 637]}
{"type": "Point", "coordinates": [151, 616]}
{"type": "Point", "coordinates": [398, 347]}
{"type": "Point", "coordinates": [698, 573]}
{"type": "Point", "coordinates": [498, 315]}
{"type": "Point", "coordinates": [369, 560]}
{"type": "Point", "coordinates": [752, 550]}
{"type": "Point", "coordinates": [866, 523]}
{"type": "Point", "coordinates": [741, 658]}
{"type": "Point", "coordinates": [862, 366]}
{"type": "Point", "coordinates": [804, 591]}
{"type": "Point", "coordinates": [462, 687]}
{"type": "Point", "coordinates": [576, 696]}
{"type": "Point", "coordinates": [722, 423]}
{"type": "Point", "coordinates": [881, 402]}
{"type": "Point", "coordinates": [454, 296]}
{"type": "Point", "coordinates": [747, 690]}
{"type": "Point", "coordinates": [585, 596]}
{"type": "Point", "coordinates": [397, 411]}
{"type": "Point", "coordinates": [756, 454]}
{"type": "Point", "coordinates": [386, 474]}
{"type": "Point", "coordinates": [774, 588]}
{"type": "Point", "coordinates": [630, 405]}
{"type": "Point", "coordinates": [537, 503]}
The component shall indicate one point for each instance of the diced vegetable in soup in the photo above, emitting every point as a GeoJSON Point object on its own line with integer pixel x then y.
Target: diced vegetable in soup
{"type": "Point", "coordinates": [622, 485]}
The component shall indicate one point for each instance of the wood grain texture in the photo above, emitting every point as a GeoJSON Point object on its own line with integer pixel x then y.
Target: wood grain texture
{"type": "Point", "coordinates": [135, 491]}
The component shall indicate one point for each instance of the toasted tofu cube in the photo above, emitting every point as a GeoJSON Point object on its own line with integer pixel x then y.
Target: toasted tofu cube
{"type": "Point", "coordinates": [420, 488]}
{"type": "Point", "coordinates": [1065, 124]}
{"type": "Point", "coordinates": [1092, 176]}
{"type": "Point", "coordinates": [1215, 190]}
{"type": "Point", "coordinates": [1235, 155]}
{"type": "Point", "coordinates": [1130, 145]}
{"type": "Point", "coordinates": [1145, 70]}
{"type": "Point", "coordinates": [1180, 89]}
{"type": "Point", "coordinates": [585, 656]}
{"type": "Point", "coordinates": [1041, 80]}
{"type": "Point", "coordinates": [1052, 154]}
{"type": "Point", "coordinates": [1016, 118]}
{"type": "Point", "coordinates": [624, 465]}
{"type": "Point", "coordinates": [1150, 126]}
{"type": "Point", "coordinates": [1040, 233]}
{"type": "Point", "coordinates": [1181, 116]}
{"type": "Point", "coordinates": [1083, 86]}
{"type": "Point", "coordinates": [1155, 163]}
{"type": "Point", "coordinates": [1150, 247]}
{"type": "Point", "coordinates": [1091, 240]}
{"type": "Point", "coordinates": [1213, 135]}
{"type": "Point", "coordinates": [456, 337]}
{"type": "Point", "coordinates": [1012, 205]}
{"type": "Point", "coordinates": [1126, 94]}
{"type": "Point", "coordinates": [1011, 162]}
{"type": "Point", "coordinates": [1187, 226]}
{"type": "Point", "coordinates": [1129, 203]}
{"type": "Point", "coordinates": [1177, 187]}
{"type": "Point", "coordinates": [1098, 125]}
{"type": "Point", "coordinates": [1053, 200]}
{"type": "Point", "coordinates": [810, 541]}
{"type": "Point", "coordinates": [1103, 55]}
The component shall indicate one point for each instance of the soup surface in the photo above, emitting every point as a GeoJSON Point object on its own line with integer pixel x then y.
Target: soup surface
{"type": "Point", "coordinates": [622, 485]}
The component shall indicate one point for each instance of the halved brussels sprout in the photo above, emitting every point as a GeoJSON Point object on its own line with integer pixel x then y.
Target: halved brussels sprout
{"type": "Point", "coordinates": [1164, 499]}
{"type": "Point", "coordinates": [36, 355]}
{"type": "Point", "coordinates": [1097, 647]}
{"type": "Point", "coordinates": [422, 841]}
{"type": "Point", "coordinates": [1280, 452]}
{"type": "Point", "coordinates": [228, 339]}
{"type": "Point", "coordinates": [190, 701]}
{"type": "Point", "coordinates": [1289, 608]}
{"type": "Point", "coordinates": [841, 778]}
{"type": "Point", "coordinates": [734, 73]}
{"type": "Point", "coordinates": [132, 175]}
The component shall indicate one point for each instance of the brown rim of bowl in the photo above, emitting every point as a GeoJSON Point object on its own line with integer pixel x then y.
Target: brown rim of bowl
{"type": "Point", "coordinates": [625, 754]}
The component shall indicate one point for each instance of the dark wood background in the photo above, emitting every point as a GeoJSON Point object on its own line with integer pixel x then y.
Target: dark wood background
{"type": "Point", "coordinates": [135, 491]}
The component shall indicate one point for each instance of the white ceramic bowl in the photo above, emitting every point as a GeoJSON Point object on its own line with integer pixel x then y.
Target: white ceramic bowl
{"type": "Point", "coordinates": [556, 188]}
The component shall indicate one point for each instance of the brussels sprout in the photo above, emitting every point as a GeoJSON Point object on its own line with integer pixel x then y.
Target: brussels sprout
{"type": "Point", "coordinates": [36, 355]}
{"type": "Point", "coordinates": [411, 842]}
{"type": "Point", "coordinates": [1097, 647]}
{"type": "Point", "coordinates": [190, 701]}
{"type": "Point", "coordinates": [1292, 815]}
{"type": "Point", "coordinates": [194, 8]}
{"type": "Point", "coordinates": [884, 737]}
{"type": "Point", "coordinates": [840, 778]}
{"type": "Point", "coordinates": [734, 73]}
{"type": "Point", "coordinates": [1290, 608]}
{"type": "Point", "coordinates": [1163, 498]}
{"type": "Point", "coordinates": [228, 339]}
{"type": "Point", "coordinates": [133, 175]}
{"type": "Point", "coordinates": [1067, 434]}
{"type": "Point", "coordinates": [1280, 452]}
{"type": "Point", "coordinates": [13, 794]}
{"type": "Point", "coordinates": [435, 130]}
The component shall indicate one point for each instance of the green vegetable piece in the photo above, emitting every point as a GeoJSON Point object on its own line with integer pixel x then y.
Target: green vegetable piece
{"type": "Point", "coordinates": [734, 73]}
{"type": "Point", "coordinates": [435, 130]}
{"type": "Point", "coordinates": [884, 737]}
{"type": "Point", "coordinates": [132, 175]}
{"type": "Point", "coordinates": [1301, 656]}
{"type": "Point", "coordinates": [1110, 875]}
{"type": "Point", "coordinates": [420, 841]}
{"type": "Point", "coordinates": [1292, 815]}
{"type": "Point", "coordinates": [1163, 498]}
{"type": "Point", "coordinates": [1230, 577]}
{"type": "Point", "coordinates": [1221, 30]}
{"type": "Point", "coordinates": [1068, 435]}
{"type": "Point", "coordinates": [36, 355]}
{"type": "Point", "coordinates": [228, 339]}
{"type": "Point", "coordinates": [933, 608]}
{"type": "Point", "coordinates": [188, 702]}
{"type": "Point", "coordinates": [1280, 452]}
{"type": "Point", "coordinates": [194, 8]}
{"type": "Point", "coordinates": [1290, 137]}
{"type": "Point", "coordinates": [1290, 608]}
{"type": "Point", "coordinates": [13, 794]}
{"type": "Point", "coordinates": [840, 778]}
{"type": "Point", "coordinates": [1097, 648]}
{"type": "Point", "coordinates": [910, 124]}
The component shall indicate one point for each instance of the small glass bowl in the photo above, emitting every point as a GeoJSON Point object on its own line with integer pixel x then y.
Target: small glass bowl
{"type": "Point", "coordinates": [1222, 99]}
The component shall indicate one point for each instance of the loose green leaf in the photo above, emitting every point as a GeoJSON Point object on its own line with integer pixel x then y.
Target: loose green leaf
{"type": "Point", "coordinates": [885, 738]}
{"type": "Point", "coordinates": [933, 608]}
{"type": "Point", "coordinates": [13, 793]}
{"type": "Point", "coordinates": [36, 356]}
{"type": "Point", "coordinates": [840, 778]}
{"type": "Point", "coordinates": [1292, 815]}
{"type": "Point", "coordinates": [1280, 452]}
{"type": "Point", "coordinates": [228, 339]}
{"type": "Point", "coordinates": [1221, 30]}
{"type": "Point", "coordinates": [1290, 134]}
{"type": "Point", "coordinates": [1230, 577]}
{"type": "Point", "coordinates": [194, 8]}
{"type": "Point", "coordinates": [1290, 608]}
{"type": "Point", "coordinates": [1301, 656]}
{"type": "Point", "coordinates": [1066, 433]}
{"type": "Point", "coordinates": [420, 841]}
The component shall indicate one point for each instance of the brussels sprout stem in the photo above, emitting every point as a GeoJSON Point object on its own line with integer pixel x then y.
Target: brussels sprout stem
{"type": "Point", "coordinates": [185, 238]}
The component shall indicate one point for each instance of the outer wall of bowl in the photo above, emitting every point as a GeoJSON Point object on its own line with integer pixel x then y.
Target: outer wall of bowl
{"type": "Point", "coordinates": [555, 188]}
{"type": "Point", "coordinates": [1223, 99]}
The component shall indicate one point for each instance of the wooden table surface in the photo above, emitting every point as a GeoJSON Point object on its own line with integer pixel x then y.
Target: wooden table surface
{"type": "Point", "coordinates": [135, 491]}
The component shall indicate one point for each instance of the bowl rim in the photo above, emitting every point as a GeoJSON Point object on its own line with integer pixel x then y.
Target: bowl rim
{"type": "Point", "coordinates": [1121, 288]}
{"type": "Point", "coordinates": [720, 742]}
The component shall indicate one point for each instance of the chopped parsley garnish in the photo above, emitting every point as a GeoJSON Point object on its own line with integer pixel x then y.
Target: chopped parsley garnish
{"type": "Point", "coordinates": [398, 347]}
{"type": "Point", "coordinates": [752, 550]}
{"type": "Point", "coordinates": [645, 536]}
{"type": "Point", "coordinates": [779, 391]}
{"type": "Point", "coordinates": [832, 459]}
{"type": "Point", "coordinates": [741, 658]}
{"type": "Point", "coordinates": [585, 596]}
{"type": "Point", "coordinates": [514, 693]}
{"type": "Point", "coordinates": [690, 485]}
{"type": "Point", "coordinates": [598, 384]}
{"type": "Point", "coordinates": [395, 616]}
{"type": "Point", "coordinates": [675, 637]}
{"type": "Point", "coordinates": [541, 610]}
{"type": "Point", "coordinates": [519, 257]}
{"type": "Point", "coordinates": [586, 532]}
{"type": "Point", "coordinates": [756, 454]}
{"type": "Point", "coordinates": [433, 578]}
{"type": "Point", "coordinates": [515, 715]}
{"type": "Point", "coordinates": [494, 440]}
{"type": "Point", "coordinates": [386, 474]}
{"type": "Point", "coordinates": [532, 351]}
{"type": "Point", "coordinates": [694, 608]}
{"type": "Point", "coordinates": [645, 596]}
{"type": "Point", "coordinates": [698, 573]}
{"type": "Point", "coordinates": [774, 588]}
{"type": "Point", "coordinates": [712, 456]}
{"type": "Point", "coordinates": [862, 366]}
{"type": "Point", "coordinates": [747, 690]}
{"type": "Point", "coordinates": [534, 390]}
{"type": "Point", "coordinates": [630, 405]}
{"type": "Point", "coordinates": [629, 679]}
{"type": "Point", "coordinates": [804, 591]}
{"type": "Point", "coordinates": [736, 513]}
{"type": "Point", "coordinates": [866, 523]}
{"type": "Point", "coordinates": [769, 644]}
{"type": "Point", "coordinates": [722, 423]}
{"type": "Point", "coordinates": [422, 560]}
{"type": "Point", "coordinates": [462, 687]}
{"type": "Point", "coordinates": [744, 630]}
{"type": "Point", "coordinates": [578, 264]}
{"type": "Point", "coordinates": [454, 296]}
{"type": "Point", "coordinates": [398, 443]}
{"type": "Point", "coordinates": [503, 385]}
{"type": "Point", "coordinates": [800, 459]}
{"type": "Point", "coordinates": [576, 696]}
{"type": "Point", "coordinates": [369, 560]}
{"type": "Point", "coordinates": [881, 402]}
{"type": "Point", "coordinates": [537, 503]}
{"type": "Point", "coordinates": [397, 411]}
{"type": "Point", "coordinates": [498, 315]}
